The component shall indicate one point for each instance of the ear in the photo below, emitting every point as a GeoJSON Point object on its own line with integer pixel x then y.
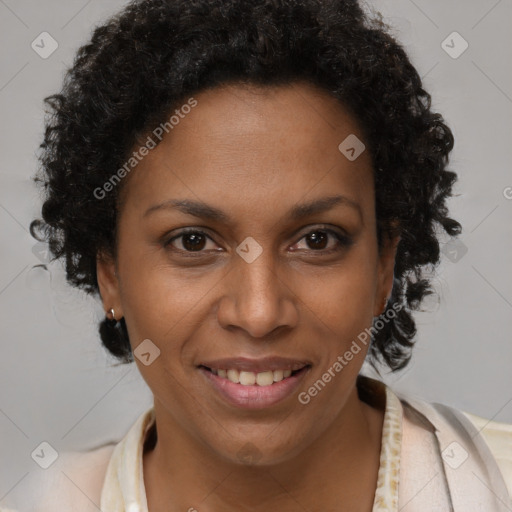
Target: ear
{"type": "Point", "coordinates": [385, 273]}
{"type": "Point", "coordinates": [108, 283]}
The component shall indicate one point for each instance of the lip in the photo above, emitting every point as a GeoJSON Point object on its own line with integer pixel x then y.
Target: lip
{"type": "Point", "coordinates": [256, 365]}
{"type": "Point", "coordinates": [254, 397]}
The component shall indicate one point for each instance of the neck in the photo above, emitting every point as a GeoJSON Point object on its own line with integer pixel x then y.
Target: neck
{"type": "Point", "coordinates": [181, 474]}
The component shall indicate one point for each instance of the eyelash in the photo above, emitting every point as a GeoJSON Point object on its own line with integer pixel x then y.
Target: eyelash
{"type": "Point", "coordinates": [343, 240]}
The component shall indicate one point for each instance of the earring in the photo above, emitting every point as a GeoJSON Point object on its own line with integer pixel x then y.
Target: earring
{"type": "Point", "coordinates": [111, 315]}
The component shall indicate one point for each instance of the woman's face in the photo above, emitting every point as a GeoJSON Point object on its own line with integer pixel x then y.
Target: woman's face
{"type": "Point", "coordinates": [280, 270]}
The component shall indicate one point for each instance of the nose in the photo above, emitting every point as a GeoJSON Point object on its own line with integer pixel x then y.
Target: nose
{"type": "Point", "coordinates": [258, 298]}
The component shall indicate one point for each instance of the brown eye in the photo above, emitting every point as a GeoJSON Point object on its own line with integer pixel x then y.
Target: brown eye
{"type": "Point", "coordinates": [318, 241]}
{"type": "Point", "coordinates": [191, 241]}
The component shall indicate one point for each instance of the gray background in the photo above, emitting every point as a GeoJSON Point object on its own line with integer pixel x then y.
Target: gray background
{"type": "Point", "coordinates": [58, 384]}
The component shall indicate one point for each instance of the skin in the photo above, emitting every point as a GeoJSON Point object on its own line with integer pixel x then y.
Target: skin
{"type": "Point", "coordinates": [254, 153]}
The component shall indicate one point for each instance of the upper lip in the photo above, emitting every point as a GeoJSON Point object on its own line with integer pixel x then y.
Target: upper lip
{"type": "Point", "coordinates": [255, 365]}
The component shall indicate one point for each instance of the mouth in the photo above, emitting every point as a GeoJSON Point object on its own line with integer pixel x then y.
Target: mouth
{"type": "Point", "coordinates": [250, 384]}
{"type": "Point", "coordinates": [248, 378]}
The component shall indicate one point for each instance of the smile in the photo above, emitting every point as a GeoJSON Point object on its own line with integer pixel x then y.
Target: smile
{"type": "Point", "coordinates": [253, 384]}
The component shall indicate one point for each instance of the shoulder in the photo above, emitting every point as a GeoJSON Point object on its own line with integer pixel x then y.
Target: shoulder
{"type": "Point", "coordinates": [72, 483]}
{"type": "Point", "coordinates": [498, 437]}
{"type": "Point", "coordinates": [495, 437]}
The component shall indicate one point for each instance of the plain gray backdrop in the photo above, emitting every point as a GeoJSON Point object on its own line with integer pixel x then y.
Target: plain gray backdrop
{"type": "Point", "coordinates": [59, 385]}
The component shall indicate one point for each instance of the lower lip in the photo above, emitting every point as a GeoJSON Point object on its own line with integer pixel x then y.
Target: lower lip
{"type": "Point", "coordinates": [254, 397]}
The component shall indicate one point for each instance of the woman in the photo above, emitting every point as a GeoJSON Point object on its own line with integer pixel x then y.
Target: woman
{"type": "Point", "coordinates": [256, 191]}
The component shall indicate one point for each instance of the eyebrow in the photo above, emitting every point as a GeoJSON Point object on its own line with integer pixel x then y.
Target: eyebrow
{"type": "Point", "coordinates": [206, 211]}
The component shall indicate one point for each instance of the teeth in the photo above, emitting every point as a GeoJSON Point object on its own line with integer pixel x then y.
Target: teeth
{"type": "Point", "coordinates": [251, 378]}
{"type": "Point", "coordinates": [264, 378]}
{"type": "Point", "coordinates": [278, 375]}
{"type": "Point", "coordinates": [233, 376]}
{"type": "Point", "coordinates": [247, 378]}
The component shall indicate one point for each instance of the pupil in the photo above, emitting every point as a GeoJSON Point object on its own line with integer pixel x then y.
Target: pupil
{"type": "Point", "coordinates": [195, 239]}
{"type": "Point", "coordinates": [317, 237]}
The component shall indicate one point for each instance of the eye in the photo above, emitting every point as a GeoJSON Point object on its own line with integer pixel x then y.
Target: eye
{"type": "Point", "coordinates": [192, 240]}
{"type": "Point", "coordinates": [318, 241]}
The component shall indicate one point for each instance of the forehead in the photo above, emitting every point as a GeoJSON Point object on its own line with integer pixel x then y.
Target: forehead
{"type": "Point", "coordinates": [246, 147]}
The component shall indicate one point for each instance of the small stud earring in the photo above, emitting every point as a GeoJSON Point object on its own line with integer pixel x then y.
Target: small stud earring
{"type": "Point", "coordinates": [111, 315]}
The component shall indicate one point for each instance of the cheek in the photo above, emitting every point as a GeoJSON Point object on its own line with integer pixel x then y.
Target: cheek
{"type": "Point", "coordinates": [343, 297]}
{"type": "Point", "coordinates": [154, 294]}
{"type": "Point", "coordinates": [161, 303]}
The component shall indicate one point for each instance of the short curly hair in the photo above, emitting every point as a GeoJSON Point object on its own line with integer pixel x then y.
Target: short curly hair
{"type": "Point", "coordinates": [142, 62]}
